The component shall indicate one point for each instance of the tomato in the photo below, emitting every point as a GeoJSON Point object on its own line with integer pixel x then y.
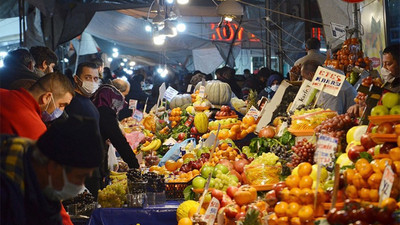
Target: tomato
{"type": "Point", "coordinates": [245, 195]}
{"type": "Point", "coordinates": [232, 210]}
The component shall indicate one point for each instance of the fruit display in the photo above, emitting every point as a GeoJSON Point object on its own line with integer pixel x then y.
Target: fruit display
{"type": "Point", "coordinates": [225, 112]}
{"type": "Point", "coordinates": [225, 123]}
{"type": "Point", "coordinates": [310, 119]}
{"type": "Point", "coordinates": [303, 151]}
{"type": "Point", "coordinates": [239, 105]}
{"type": "Point", "coordinates": [263, 170]}
{"type": "Point", "coordinates": [112, 196]}
{"type": "Point", "coordinates": [180, 101]}
{"type": "Point", "coordinates": [83, 202]}
{"type": "Point", "coordinates": [201, 122]}
{"type": "Point", "coordinates": [390, 105]}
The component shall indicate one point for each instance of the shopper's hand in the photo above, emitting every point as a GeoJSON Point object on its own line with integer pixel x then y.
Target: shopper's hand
{"type": "Point", "coordinates": [356, 110]}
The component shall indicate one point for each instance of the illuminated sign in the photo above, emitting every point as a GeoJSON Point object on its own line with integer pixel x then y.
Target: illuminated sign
{"type": "Point", "coordinates": [227, 31]}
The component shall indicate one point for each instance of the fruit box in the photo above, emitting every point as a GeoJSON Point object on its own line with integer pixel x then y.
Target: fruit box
{"type": "Point", "coordinates": [174, 191]}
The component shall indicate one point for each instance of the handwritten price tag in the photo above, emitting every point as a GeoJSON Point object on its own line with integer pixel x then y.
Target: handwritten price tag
{"type": "Point", "coordinates": [253, 112]}
{"type": "Point", "coordinates": [325, 151]}
{"type": "Point", "coordinates": [212, 211]}
{"type": "Point", "coordinates": [170, 93]}
{"type": "Point", "coordinates": [132, 103]}
{"type": "Point", "coordinates": [137, 115]}
{"type": "Point", "coordinates": [202, 91]}
{"type": "Point", "coordinates": [386, 184]}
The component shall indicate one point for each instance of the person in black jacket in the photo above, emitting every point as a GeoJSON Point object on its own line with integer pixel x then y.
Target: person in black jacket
{"type": "Point", "coordinates": [109, 101]}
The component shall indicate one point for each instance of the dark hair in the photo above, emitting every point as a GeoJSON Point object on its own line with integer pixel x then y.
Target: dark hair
{"type": "Point", "coordinates": [83, 65]}
{"type": "Point", "coordinates": [98, 61]}
{"type": "Point", "coordinates": [310, 66]}
{"type": "Point", "coordinates": [246, 71]}
{"type": "Point", "coordinates": [56, 82]}
{"type": "Point", "coordinates": [43, 53]}
{"type": "Point", "coordinates": [20, 55]}
{"type": "Point", "coordinates": [138, 78]}
{"type": "Point", "coordinates": [264, 72]}
{"type": "Point", "coordinates": [227, 72]}
{"type": "Point", "coordinates": [313, 43]}
{"type": "Point", "coordinates": [394, 50]}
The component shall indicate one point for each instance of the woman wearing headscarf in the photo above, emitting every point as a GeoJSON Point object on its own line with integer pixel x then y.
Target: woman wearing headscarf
{"type": "Point", "coordinates": [273, 83]}
{"type": "Point", "coordinates": [109, 101]}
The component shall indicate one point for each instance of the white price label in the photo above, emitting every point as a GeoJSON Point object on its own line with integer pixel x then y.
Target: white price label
{"type": "Point", "coordinates": [386, 184]}
{"type": "Point", "coordinates": [132, 103]}
{"type": "Point", "coordinates": [212, 211]}
{"type": "Point", "coordinates": [253, 112]}
{"type": "Point", "coordinates": [327, 81]}
{"type": "Point", "coordinates": [138, 115]}
{"type": "Point", "coordinates": [189, 88]}
{"type": "Point", "coordinates": [202, 91]}
{"type": "Point", "coordinates": [325, 151]}
{"type": "Point", "coordinates": [170, 93]}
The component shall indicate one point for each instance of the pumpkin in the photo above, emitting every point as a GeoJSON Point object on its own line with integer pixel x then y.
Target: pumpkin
{"type": "Point", "coordinates": [201, 122]}
{"type": "Point", "coordinates": [180, 101]}
{"type": "Point", "coordinates": [217, 92]}
{"type": "Point", "coordinates": [184, 208]}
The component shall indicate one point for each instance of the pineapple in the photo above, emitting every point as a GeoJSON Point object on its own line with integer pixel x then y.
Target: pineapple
{"type": "Point", "coordinates": [252, 218]}
{"type": "Point", "coordinates": [252, 99]}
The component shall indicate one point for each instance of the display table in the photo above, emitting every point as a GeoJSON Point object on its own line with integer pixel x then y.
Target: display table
{"type": "Point", "coordinates": [154, 214]}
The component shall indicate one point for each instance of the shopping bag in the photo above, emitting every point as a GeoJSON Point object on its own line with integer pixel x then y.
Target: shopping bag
{"type": "Point", "coordinates": [174, 153]}
{"type": "Point", "coordinates": [112, 158]}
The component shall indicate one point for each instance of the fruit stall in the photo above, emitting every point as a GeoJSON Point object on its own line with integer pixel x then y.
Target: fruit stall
{"type": "Point", "coordinates": [206, 159]}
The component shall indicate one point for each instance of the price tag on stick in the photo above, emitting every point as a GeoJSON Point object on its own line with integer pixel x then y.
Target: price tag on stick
{"type": "Point", "coordinates": [386, 184]}
{"type": "Point", "coordinates": [132, 103]}
{"type": "Point", "coordinates": [202, 91]}
{"type": "Point", "coordinates": [189, 88]}
{"type": "Point", "coordinates": [325, 151]}
{"type": "Point", "coordinates": [170, 93]}
{"type": "Point", "coordinates": [327, 81]}
{"type": "Point", "coordinates": [212, 211]}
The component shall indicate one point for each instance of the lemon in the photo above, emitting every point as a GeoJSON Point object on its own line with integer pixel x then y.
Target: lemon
{"type": "Point", "coordinates": [355, 133]}
{"type": "Point", "coordinates": [324, 173]}
{"type": "Point", "coordinates": [343, 160]}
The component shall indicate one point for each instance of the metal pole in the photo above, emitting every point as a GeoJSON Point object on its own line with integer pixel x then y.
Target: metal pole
{"type": "Point", "coordinates": [280, 51]}
{"type": "Point", "coordinates": [21, 12]}
{"type": "Point", "coordinates": [355, 20]}
{"type": "Point", "coordinates": [267, 34]}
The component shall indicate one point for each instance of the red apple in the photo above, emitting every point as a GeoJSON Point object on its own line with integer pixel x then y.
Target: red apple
{"type": "Point", "coordinates": [193, 130]}
{"type": "Point", "coordinates": [267, 132]}
{"type": "Point", "coordinates": [278, 187]}
{"type": "Point", "coordinates": [367, 142]}
{"type": "Point", "coordinates": [226, 200]}
{"type": "Point", "coordinates": [385, 128]}
{"type": "Point", "coordinates": [231, 190]}
{"type": "Point", "coordinates": [354, 152]}
{"type": "Point", "coordinates": [234, 172]}
{"type": "Point", "coordinates": [232, 210]}
{"type": "Point", "coordinates": [240, 216]}
{"type": "Point", "coordinates": [239, 165]}
{"type": "Point", "coordinates": [271, 198]}
{"type": "Point", "coordinates": [371, 151]}
{"type": "Point", "coordinates": [217, 194]}
{"type": "Point", "coordinates": [386, 147]}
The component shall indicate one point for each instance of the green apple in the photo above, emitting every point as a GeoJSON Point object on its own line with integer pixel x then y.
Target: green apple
{"type": "Point", "coordinates": [206, 170]}
{"type": "Point", "coordinates": [220, 167]}
{"type": "Point", "coordinates": [379, 110]}
{"type": "Point", "coordinates": [395, 110]}
{"type": "Point", "coordinates": [233, 177]}
{"type": "Point", "coordinates": [201, 151]}
{"type": "Point", "coordinates": [199, 182]}
{"type": "Point", "coordinates": [390, 99]}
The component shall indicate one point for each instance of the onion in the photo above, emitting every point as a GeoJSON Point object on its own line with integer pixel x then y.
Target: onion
{"type": "Point", "coordinates": [267, 132]}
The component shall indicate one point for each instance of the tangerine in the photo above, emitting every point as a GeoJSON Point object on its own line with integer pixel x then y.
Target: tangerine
{"type": "Point", "coordinates": [358, 181]}
{"type": "Point", "coordinates": [306, 196]}
{"type": "Point", "coordinates": [273, 219]}
{"type": "Point", "coordinates": [235, 128]}
{"type": "Point", "coordinates": [185, 221]}
{"type": "Point", "coordinates": [305, 169]}
{"type": "Point", "coordinates": [294, 195]}
{"type": "Point", "coordinates": [374, 180]}
{"type": "Point", "coordinates": [293, 209]}
{"type": "Point", "coordinates": [360, 164]}
{"type": "Point", "coordinates": [193, 210]}
{"type": "Point", "coordinates": [351, 192]}
{"type": "Point", "coordinates": [374, 195]}
{"type": "Point", "coordinates": [292, 181]}
{"type": "Point", "coordinates": [171, 165]}
{"type": "Point", "coordinates": [382, 163]}
{"type": "Point", "coordinates": [366, 170]}
{"type": "Point", "coordinates": [348, 175]}
{"type": "Point", "coordinates": [295, 221]}
{"type": "Point", "coordinates": [375, 166]}
{"type": "Point", "coordinates": [306, 213]}
{"type": "Point", "coordinates": [283, 220]}
{"type": "Point", "coordinates": [364, 194]}
{"type": "Point", "coordinates": [281, 208]}
{"type": "Point", "coordinates": [306, 182]}
{"type": "Point", "coordinates": [390, 204]}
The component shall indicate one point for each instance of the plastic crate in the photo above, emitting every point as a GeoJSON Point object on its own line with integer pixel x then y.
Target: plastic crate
{"type": "Point", "coordinates": [174, 191]}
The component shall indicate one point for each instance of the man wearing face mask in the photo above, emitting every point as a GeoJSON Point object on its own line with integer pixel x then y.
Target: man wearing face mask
{"type": "Point", "coordinates": [36, 176]}
{"type": "Point", "coordinates": [390, 72]}
{"type": "Point", "coordinates": [45, 60]}
{"type": "Point", "coordinates": [22, 112]}
{"type": "Point", "coordinates": [86, 83]}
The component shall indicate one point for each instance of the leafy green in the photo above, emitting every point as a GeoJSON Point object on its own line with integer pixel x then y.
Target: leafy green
{"type": "Point", "coordinates": [246, 150]}
{"type": "Point", "coordinates": [251, 217]}
{"type": "Point", "coordinates": [366, 156]}
{"type": "Point", "coordinates": [188, 193]}
{"type": "Point", "coordinates": [287, 139]}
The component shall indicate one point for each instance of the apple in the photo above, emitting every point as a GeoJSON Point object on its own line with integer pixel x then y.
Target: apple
{"type": "Point", "coordinates": [385, 128]}
{"type": "Point", "coordinates": [271, 197]}
{"type": "Point", "coordinates": [371, 151]}
{"type": "Point", "coordinates": [386, 147]}
{"type": "Point", "coordinates": [239, 165]}
{"type": "Point", "coordinates": [199, 182]}
{"type": "Point", "coordinates": [182, 136]}
{"type": "Point", "coordinates": [240, 216]}
{"type": "Point", "coordinates": [395, 110]}
{"type": "Point", "coordinates": [206, 170]}
{"type": "Point", "coordinates": [217, 194]}
{"type": "Point", "coordinates": [221, 168]}
{"type": "Point", "coordinates": [278, 187]}
{"type": "Point", "coordinates": [231, 190]}
{"type": "Point", "coordinates": [193, 130]}
{"type": "Point", "coordinates": [212, 183]}
{"type": "Point", "coordinates": [354, 152]}
{"type": "Point", "coordinates": [390, 99]}
{"type": "Point", "coordinates": [226, 200]}
{"type": "Point", "coordinates": [379, 110]}
{"type": "Point", "coordinates": [232, 210]}
{"type": "Point", "coordinates": [366, 141]}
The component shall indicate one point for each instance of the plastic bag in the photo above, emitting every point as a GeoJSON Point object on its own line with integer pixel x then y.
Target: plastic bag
{"type": "Point", "coordinates": [174, 153]}
{"type": "Point", "coordinates": [112, 158]}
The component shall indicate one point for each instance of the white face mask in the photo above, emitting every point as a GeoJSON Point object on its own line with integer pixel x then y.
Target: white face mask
{"type": "Point", "coordinates": [386, 75]}
{"type": "Point", "coordinates": [274, 87]}
{"type": "Point", "coordinates": [68, 191]}
{"type": "Point", "coordinates": [88, 87]}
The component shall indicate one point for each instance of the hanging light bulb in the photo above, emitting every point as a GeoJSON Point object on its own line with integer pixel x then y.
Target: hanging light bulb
{"type": "Point", "coordinates": [229, 9]}
{"type": "Point", "coordinates": [169, 30]}
{"type": "Point", "coordinates": [158, 19]}
{"type": "Point", "coordinates": [182, 2]}
{"type": "Point", "coordinates": [148, 28]}
{"type": "Point", "coordinates": [159, 39]}
{"type": "Point", "coordinates": [181, 27]}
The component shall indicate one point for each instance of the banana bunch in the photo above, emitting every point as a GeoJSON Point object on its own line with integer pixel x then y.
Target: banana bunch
{"type": "Point", "coordinates": [119, 176]}
{"type": "Point", "coordinates": [153, 146]}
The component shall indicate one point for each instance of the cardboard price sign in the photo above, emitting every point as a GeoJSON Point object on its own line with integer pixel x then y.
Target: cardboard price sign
{"type": "Point", "coordinates": [138, 115]}
{"type": "Point", "coordinates": [132, 103]}
{"type": "Point", "coordinates": [212, 211]}
{"type": "Point", "coordinates": [253, 112]}
{"type": "Point", "coordinates": [386, 184]}
{"type": "Point", "coordinates": [328, 81]}
{"type": "Point", "coordinates": [170, 93]}
{"type": "Point", "coordinates": [325, 151]}
{"type": "Point", "coordinates": [338, 31]}
{"type": "Point", "coordinates": [202, 91]}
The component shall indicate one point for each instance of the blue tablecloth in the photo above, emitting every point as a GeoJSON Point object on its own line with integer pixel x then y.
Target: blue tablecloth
{"type": "Point", "coordinates": [152, 215]}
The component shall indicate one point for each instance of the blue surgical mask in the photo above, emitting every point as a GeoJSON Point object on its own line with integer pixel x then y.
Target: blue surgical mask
{"type": "Point", "coordinates": [274, 87]}
{"type": "Point", "coordinates": [47, 117]}
{"type": "Point", "coordinates": [68, 191]}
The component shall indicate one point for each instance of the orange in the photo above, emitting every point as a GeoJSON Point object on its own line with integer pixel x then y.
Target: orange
{"type": "Point", "coordinates": [293, 209]}
{"type": "Point", "coordinates": [195, 172]}
{"type": "Point", "coordinates": [281, 209]}
{"type": "Point", "coordinates": [306, 182]}
{"type": "Point", "coordinates": [374, 195]}
{"type": "Point", "coordinates": [283, 220]}
{"type": "Point", "coordinates": [249, 120]}
{"type": "Point", "coordinates": [364, 194]}
{"type": "Point", "coordinates": [243, 134]}
{"type": "Point", "coordinates": [351, 192]}
{"type": "Point", "coordinates": [305, 169]}
{"type": "Point", "coordinates": [348, 175]}
{"type": "Point", "coordinates": [374, 181]}
{"type": "Point", "coordinates": [292, 181]}
{"type": "Point", "coordinates": [375, 166]}
{"type": "Point", "coordinates": [390, 204]}
{"type": "Point", "coordinates": [251, 128]}
{"type": "Point", "coordinates": [358, 181]}
{"type": "Point", "coordinates": [366, 170]}
{"type": "Point", "coordinates": [171, 165]}
{"type": "Point", "coordinates": [223, 134]}
{"type": "Point", "coordinates": [188, 156]}
{"type": "Point", "coordinates": [295, 221]}
{"type": "Point", "coordinates": [235, 128]}
{"type": "Point", "coordinates": [360, 164]}
{"type": "Point", "coordinates": [307, 196]}
{"type": "Point", "coordinates": [223, 146]}
{"type": "Point", "coordinates": [193, 210]}
{"type": "Point", "coordinates": [185, 221]}
{"type": "Point", "coordinates": [294, 195]}
{"type": "Point", "coordinates": [273, 219]}
{"type": "Point", "coordinates": [396, 167]}
{"type": "Point", "coordinates": [232, 135]}
{"type": "Point", "coordinates": [306, 213]}
{"type": "Point", "coordinates": [382, 163]}
{"type": "Point", "coordinates": [285, 195]}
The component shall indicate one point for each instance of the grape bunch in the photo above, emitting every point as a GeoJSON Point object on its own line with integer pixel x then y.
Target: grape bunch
{"type": "Point", "coordinates": [81, 200]}
{"type": "Point", "coordinates": [155, 182]}
{"type": "Point", "coordinates": [112, 196]}
{"type": "Point", "coordinates": [360, 97]}
{"type": "Point", "coordinates": [336, 127]}
{"type": "Point", "coordinates": [282, 152]}
{"type": "Point", "coordinates": [135, 175]}
{"type": "Point", "coordinates": [223, 181]}
{"type": "Point", "coordinates": [303, 151]}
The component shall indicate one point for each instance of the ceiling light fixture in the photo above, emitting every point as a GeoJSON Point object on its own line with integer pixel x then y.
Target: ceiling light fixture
{"type": "Point", "coordinates": [229, 9]}
{"type": "Point", "coordinates": [182, 2]}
